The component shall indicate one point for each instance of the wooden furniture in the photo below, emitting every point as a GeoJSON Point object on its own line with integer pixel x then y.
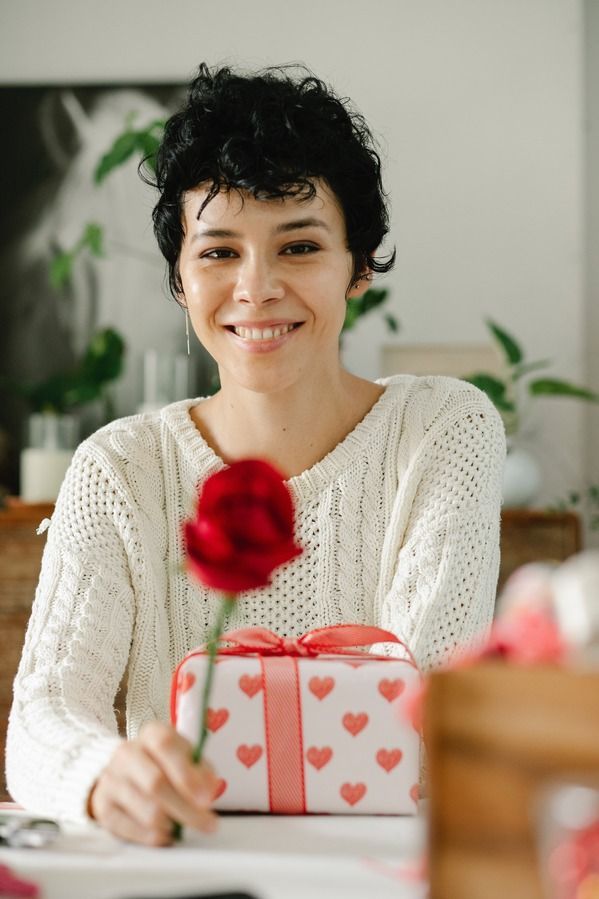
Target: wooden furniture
{"type": "Point", "coordinates": [496, 735]}
{"type": "Point", "coordinates": [20, 558]}
{"type": "Point", "coordinates": [529, 535]}
{"type": "Point", "coordinates": [20, 555]}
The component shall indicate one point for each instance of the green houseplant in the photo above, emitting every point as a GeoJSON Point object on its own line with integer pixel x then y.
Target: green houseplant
{"type": "Point", "coordinates": [62, 393]}
{"type": "Point", "coordinates": [52, 424]}
{"type": "Point", "coordinates": [508, 394]}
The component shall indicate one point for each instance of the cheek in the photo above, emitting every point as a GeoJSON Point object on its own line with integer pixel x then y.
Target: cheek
{"type": "Point", "coordinates": [201, 298]}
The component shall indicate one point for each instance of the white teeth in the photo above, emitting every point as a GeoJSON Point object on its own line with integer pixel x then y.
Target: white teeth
{"type": "Point", "coordinates": [266, 334]}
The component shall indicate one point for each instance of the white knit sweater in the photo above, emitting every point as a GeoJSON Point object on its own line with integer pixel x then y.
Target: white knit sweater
{"type": "Point", "coordinates": [400, 528]}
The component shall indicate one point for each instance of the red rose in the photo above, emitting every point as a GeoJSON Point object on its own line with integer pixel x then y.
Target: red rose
{"type": "Point", "coordinates": [243, 528]}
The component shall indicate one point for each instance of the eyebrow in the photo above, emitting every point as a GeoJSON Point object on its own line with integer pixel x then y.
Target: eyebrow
{"type": "Point", "coordinates": [280, 229]}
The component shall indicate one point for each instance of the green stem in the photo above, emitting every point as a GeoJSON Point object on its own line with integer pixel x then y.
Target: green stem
{"type": "Point", "coordinates": [213, 640]}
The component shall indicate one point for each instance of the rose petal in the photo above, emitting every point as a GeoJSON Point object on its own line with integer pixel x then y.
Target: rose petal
{"type": "Point", "coordinates": [243, 528]}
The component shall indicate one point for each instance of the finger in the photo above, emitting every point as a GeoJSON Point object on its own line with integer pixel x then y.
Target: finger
{"type": "Point", "coordinates": [145, 810]}
{"type": "Point", "coordinates": [120, 823]}
{"type": "Point", "coordinates": [148, 776]}
{"type": "Point", "coordinates": [196, 783]}
{"type": "Point", "coordinates": [116, 788]}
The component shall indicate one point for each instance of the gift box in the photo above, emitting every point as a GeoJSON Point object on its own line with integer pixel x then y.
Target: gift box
{"type": "Point", "coordinates": [305, 725]}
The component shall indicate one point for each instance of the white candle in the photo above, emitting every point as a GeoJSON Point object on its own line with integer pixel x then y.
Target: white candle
{"type": "Point", "coordinates": [52, 438]}
{"type": "Point", "coordinates": [42, 473]}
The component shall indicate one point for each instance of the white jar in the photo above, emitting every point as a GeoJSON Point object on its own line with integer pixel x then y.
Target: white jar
{"type": "Point", "coordinates": [52, 440]}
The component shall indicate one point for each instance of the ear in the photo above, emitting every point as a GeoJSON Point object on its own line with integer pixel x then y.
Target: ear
{"type": "Point", "coordinates": [364, 284]}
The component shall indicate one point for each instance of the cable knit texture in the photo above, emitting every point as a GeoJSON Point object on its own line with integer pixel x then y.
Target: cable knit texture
{"type": "Point", "coordinates": [400, 528]}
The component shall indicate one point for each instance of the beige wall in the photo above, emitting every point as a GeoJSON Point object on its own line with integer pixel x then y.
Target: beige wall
{"type": "Point", "coordinates": [479, 107]}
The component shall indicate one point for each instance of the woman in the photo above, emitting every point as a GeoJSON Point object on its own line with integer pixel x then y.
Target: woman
{"type": "Point", "coordinates": [270, 211]}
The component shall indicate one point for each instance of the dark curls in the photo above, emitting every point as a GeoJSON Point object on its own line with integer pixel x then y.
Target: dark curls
{"type": "Point", "coordinates": [271, 136]}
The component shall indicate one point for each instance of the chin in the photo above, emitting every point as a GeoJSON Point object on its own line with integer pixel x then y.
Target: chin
{"type": "Point", "coordinates": [265, 382]}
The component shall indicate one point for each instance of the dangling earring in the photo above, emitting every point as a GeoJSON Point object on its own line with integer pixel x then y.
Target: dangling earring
{"type": "Point", "coordinates": [187, 330]}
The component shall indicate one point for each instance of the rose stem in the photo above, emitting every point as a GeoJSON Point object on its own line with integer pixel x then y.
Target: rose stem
{"type": "Point", "coordinates": [213, 641]}
{"type": "Point", "coordinates": [225, 607]}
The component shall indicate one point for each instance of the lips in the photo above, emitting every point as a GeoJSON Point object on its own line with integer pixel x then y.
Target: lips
{"type": "Point", "coordinates": [262, 344]}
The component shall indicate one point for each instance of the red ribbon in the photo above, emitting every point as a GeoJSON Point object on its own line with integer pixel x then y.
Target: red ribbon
{"type": "Point", "coordinates": [334, 639]}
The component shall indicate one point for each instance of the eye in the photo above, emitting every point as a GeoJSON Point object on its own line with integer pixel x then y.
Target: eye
{"type": "Point", "coordinates": [310, 248]}
{"type": "Point", "coordinates": [211, 256]}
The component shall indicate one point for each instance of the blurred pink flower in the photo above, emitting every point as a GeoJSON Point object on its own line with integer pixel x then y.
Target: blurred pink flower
{"type": "Point", "coordinates": [523, 636]}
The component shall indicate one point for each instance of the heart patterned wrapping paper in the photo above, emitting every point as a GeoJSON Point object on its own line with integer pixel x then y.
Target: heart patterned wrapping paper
{"type": "Point", "coordinates": [304, 726]}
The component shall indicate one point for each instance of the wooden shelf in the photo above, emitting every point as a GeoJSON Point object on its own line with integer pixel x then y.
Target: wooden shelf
{"type": "Point", "coordinates": [21, 551]}
{"type": "Point", "coordinates": [534, 535]}
{"type": "Point", "coordinates": [20, 556]}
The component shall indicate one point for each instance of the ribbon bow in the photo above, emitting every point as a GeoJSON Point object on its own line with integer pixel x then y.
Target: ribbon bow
{"type": "Point", "coordinates": [334, 639]}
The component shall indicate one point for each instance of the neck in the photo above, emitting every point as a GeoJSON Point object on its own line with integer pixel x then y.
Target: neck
{"type": "Point", "coordinates": [293, 428]}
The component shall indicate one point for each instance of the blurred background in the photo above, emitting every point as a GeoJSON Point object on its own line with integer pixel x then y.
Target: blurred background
{"type": "Point", "coordinates": [486, 116]}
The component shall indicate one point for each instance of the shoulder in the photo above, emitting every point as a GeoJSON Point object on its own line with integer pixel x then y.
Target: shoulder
{"type": "Point", "coordinates": [433, 403]}
{"type": "Point", "coordinates": [130, 441]}
{"type": "Point", "coordinates": [116, 472]}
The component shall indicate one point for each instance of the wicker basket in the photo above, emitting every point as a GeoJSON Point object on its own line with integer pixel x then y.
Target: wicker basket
{"type": "Point", "coordinates": [495, 735]}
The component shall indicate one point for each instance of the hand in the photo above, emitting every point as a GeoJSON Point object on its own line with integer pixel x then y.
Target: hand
{"type": "Point", "coordinates": [149, 783]}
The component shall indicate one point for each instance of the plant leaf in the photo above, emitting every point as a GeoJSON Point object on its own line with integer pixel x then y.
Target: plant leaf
{"type": "Point", "coordinates": [556, 387]}
{"type": "Point", "coordinates": [123, 147]}
{"type": "Point", "coordinates": [526, 367]}
{"type": "Point", "coordinates": [494, 388]}
{"type": "Point", "coordinates": [93, 238]}
{"type": "Point", "coordinates": [103, 359]}
{"type": "Point", "coordinates": [144, 140]}
{"type": "Point", "coordinates": [508, 344]}
{"type": "Point", "coordinates": [392, 322]}
{"type": "Point", "coordinates": [148, 146]}
{"type": "Point", "coordinates": [61, 268]}
{"type": "Point", "coordinates": [359, 306]}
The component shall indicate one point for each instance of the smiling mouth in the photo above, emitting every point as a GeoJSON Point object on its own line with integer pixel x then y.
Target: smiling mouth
{"type": "Point", "coordinates": [259, 334]}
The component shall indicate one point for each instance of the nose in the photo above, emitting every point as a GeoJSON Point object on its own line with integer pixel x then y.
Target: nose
{"type": "Point", "coordinates": [257, 283]}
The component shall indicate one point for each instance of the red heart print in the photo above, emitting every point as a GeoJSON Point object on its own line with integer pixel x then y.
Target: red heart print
{"type": "Point", "coordinates": [415, 792]}
{"type": "Point", "coordinates": [319, 757]}
{"type": "Point", "coordinates": [389, 758]}
{"type": "Point", "coordinates": [186, 681]}
{"type": "Point", "coordinates": [248, 755]}
{"type": "Point", "coordinates": [221, 786]}
{"type": "Point", "coordinates": [352, 793]}
{"type": "Point", "coordinates": [321, 686]}
{"type": "Point", "coordinates": [250, 685]}
{"type": "Point", "coordinates": [355, 723]}
{"type": "Point", "coordinates": [215, 718]}
{"type": "Point", "coordinates": [391, 689]}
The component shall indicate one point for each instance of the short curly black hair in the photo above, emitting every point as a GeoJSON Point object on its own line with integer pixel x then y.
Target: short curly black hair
{"type": "Point", "coordinates": [270, 135]}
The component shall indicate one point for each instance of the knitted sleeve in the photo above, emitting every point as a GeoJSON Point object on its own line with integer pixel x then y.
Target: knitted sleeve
{"type": "Point", "coordinates": [444, 585]}
{"type": "Point", "coordinates": [62, 727]}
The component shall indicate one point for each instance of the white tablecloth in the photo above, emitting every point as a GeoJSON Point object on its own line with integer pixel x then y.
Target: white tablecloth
{"type": "Point", "coordinates": [273, 857]}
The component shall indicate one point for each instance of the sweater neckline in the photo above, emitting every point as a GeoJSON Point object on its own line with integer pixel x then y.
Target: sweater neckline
{"type": "Point", "coordinates": [308, 482]}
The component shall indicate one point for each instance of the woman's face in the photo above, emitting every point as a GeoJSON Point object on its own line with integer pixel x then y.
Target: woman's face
{"type": "Point", "coordinates": [265, 283]}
